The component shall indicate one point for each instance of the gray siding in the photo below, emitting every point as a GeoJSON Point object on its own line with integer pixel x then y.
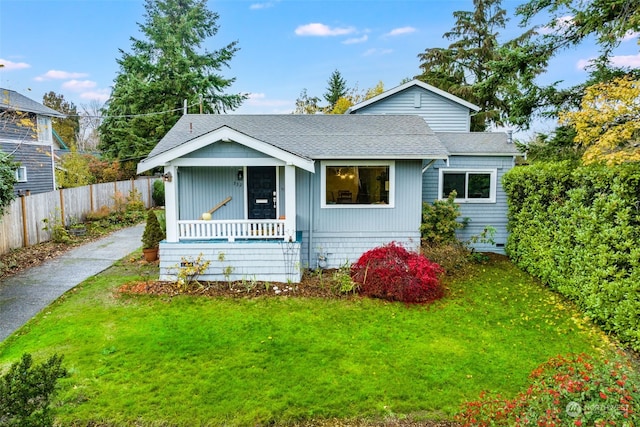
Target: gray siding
{"type": "Point", "coordinates": [225, 150]}
{"type": "Point", "coordinates": [441, 114]}
{"type": "Point", "coordinates": [38, 161]}
{"type": "Point", "coordinates": [202, 188]}
{"type": "Point", "coordinates": [480, 214]}
{"type": "Point", "coordinates": [346, 233]}
{"type": "Point", "coordinates": [11, 130]}
{"type": "Point", "coordinates": [263, 261]}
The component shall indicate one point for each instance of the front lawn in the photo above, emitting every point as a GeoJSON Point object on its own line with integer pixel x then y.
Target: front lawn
{"type": "Point", "coordinates": [189, 360]}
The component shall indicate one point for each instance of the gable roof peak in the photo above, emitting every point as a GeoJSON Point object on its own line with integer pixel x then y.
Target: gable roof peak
{"type": "Point", "coordinates": [407, 85]}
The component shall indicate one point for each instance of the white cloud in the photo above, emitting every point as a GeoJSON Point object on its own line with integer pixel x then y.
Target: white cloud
{"type": "Point", "coordinates": [400, 31]}
{"type": "Point", "coordinates": [59, 75]}
{"type": "Point", "coordinates": [10, 65]}
{"type": "Point", "coordinates": [561, 24]}
{"type": "Point", "coordinates": [632, 61]}
{"type": "Point", "coordinates": [321, 30]}
{"type": "Point", "coordinates": [79, 85]}
{"type": "Point", "coordinates": [377, 52]}
{"type": "Point", "coordinates": [630, 35]}
{"type": "Point", "coordinates": [101, 95]}
{"type": "Point", "coordinates": [261, 100]}
{"type": "Point", "coordinates": [258, 6]}
{"type": "Point", "coordinates": [356, 40]}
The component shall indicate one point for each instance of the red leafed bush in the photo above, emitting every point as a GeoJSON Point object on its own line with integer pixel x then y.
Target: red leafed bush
{"type": "Point", "coordinates": [391, 272]}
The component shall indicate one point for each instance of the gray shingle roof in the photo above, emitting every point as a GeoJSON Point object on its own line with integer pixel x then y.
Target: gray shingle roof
{"type": "Point", "coordinates": [319, 136]}
{"type": "Point", "coordinates": [478, 143]}
{"type": "Point", "coordinates": [12, 100]}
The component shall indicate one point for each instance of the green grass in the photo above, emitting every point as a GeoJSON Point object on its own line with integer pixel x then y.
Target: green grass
{"type": "Point", "coordinates": [141, 360]}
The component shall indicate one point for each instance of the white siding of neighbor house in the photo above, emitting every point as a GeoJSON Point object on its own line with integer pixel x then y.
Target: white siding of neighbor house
{"type": "Point", "coordinates": [480, 214]}
{"type": "Point", "coordinates": [237, 261]}
{"type": "Point", "coordinates": [346, 233]}
{"type": "Point", "coordinates": [442, 114]}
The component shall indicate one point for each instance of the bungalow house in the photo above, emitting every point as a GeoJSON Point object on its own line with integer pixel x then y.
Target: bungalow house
{"type": "Point", "coordinates": [266, 196]}
{"type": "Point", "coordinates": [27, 135]}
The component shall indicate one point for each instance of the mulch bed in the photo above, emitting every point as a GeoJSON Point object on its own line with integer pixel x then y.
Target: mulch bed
{"type": "Point", "coordinates": [319, 284]}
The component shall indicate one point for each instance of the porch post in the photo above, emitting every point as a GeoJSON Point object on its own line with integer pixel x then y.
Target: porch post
{"type": "Point", "coordinates": [171, 203]}
{"type": "Point", "coordinates": [290, 202]}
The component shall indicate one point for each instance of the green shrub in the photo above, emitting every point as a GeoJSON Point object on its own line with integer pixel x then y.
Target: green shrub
{"type": "Point", "coordinates": [157, 194]}
{"type": "Point", "coordinates": [26, 391]}
{"type": "Point", "coordinates": [578, 230]}
{"type": "Point", "coordinates": [573, 390]}
{"type": "Point", "coordinates": [452, 257]}
{"type": "Point", "coordinates": [440, 220]}
{"type": "Point", "coordinates": [152, 234]}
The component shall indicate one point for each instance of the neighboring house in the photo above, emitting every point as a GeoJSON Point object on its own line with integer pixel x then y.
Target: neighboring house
{"type": "Point", "coordinates": [290, 192]}
{"type": "Point", "coordinates": [26, 135]}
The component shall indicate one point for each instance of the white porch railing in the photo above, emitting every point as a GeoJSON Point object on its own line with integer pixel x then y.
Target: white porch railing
{"type": "Point", "coordinates": [231, 229]}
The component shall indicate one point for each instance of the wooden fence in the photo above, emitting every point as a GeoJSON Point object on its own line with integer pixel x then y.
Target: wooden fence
{"type": "Point", "coordinates": [22, 224]}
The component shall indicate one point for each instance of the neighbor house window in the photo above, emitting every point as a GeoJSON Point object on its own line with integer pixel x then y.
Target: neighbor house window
{"type": "Point", "coordinates": [471, 186]}
{"type": "Point", "coordinates": [358, 184]}
{"type": "Point", "coordinates": [44, 129]}
{"type": "Point", "coordinates": [21, 174]}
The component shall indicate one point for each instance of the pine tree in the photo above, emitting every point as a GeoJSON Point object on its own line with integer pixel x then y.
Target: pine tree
{"type": "Point", "coordinates": [165, 68]}
{"type": "Point", "coordinates": [337, 89]}
{"type": "Point", "coordinates": [497, 77]}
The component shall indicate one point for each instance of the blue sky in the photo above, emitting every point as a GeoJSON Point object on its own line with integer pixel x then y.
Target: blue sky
{"type": "Point", "coordinates": [71, 46]}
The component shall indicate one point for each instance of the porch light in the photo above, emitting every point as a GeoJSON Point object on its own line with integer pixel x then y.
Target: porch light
{"type": "Point", "coordinates": [240, 174]}
{"type": "Point", "coordinates": [167, 177]}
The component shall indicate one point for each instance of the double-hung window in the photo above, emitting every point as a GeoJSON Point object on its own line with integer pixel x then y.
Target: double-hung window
{"type": "Point", "coordinates": [471, 186]}
{"type": "Point", "coordinates": [354, 184]}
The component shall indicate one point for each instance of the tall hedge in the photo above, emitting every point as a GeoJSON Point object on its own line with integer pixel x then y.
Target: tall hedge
{"type": "Point", "coordinates": [578, 230]}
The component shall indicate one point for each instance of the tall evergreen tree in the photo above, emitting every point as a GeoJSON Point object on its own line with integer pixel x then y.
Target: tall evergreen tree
{"type": "Point", "coordinates": [165, 68]}
{"type": "Point", "coordinates": [478, 68]}
{"type": "Point", "coordinates": [573, 21]}
{"type": "Point", "coordinates": [337, 89]}
{"type": "Point", "coordinates": [67, 128]}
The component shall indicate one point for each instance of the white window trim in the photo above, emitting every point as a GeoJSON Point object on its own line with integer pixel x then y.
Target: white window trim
{"type": "Point", "coordinates": [492, 189]}
{"type": "Point", "coordinates": [23, 174]}
{"type": "Point", "coordinates": [323, 183]}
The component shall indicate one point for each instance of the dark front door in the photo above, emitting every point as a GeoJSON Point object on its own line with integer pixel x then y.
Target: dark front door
{"type": "Point", "coordinates": [261, 192]}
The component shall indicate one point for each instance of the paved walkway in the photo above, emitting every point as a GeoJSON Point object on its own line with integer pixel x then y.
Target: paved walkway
{"type": "Point", "coordinates": [23, 295]}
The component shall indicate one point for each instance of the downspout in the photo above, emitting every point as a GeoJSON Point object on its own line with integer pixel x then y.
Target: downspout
{"type": "Point", "coordinates": [311, 194]}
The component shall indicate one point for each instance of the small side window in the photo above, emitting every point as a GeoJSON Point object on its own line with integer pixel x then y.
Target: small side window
{"type": "Point", "coordinates": [21, 174]}
{"type": "Point", "coordinates": [471, 186]}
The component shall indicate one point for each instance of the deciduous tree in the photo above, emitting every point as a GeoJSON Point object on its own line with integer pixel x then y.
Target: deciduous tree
{"type": "Point", "coordinates": [166, 67]}
{"type": "Point", "coordinates": [608, 122]}
{"type": "Point", "coordinates": [306, 104]}
{"type": "Point", "coordinates": [68, 127]}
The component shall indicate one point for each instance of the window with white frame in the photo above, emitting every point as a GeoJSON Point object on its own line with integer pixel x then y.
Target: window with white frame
{"type": "Point", "coordinates": [21, 174]}
{"type": "Point", "coordinates": [357, 184]}
{"type": "Point", "coordinates": [471, 186]}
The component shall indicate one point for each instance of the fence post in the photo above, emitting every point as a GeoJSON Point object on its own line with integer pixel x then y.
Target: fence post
{"type": "Point", "coordinates": [25, 228]}
{"type": "Point", "coordinates": [91, 197]}
{"type": "Point", "coordinates": [62, 208]}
